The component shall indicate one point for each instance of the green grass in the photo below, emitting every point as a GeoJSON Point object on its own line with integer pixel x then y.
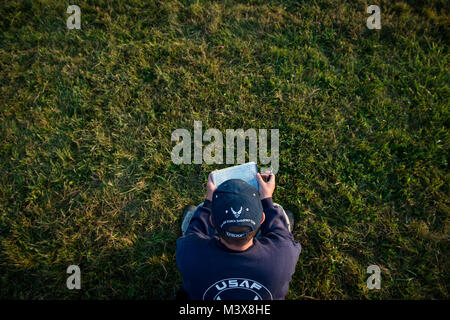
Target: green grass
{"type": "Point", "coordinates": [86, 118]}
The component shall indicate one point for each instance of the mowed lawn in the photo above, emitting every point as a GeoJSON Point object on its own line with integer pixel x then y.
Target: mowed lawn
{"type": "Point", "coordinates": [86, 118]}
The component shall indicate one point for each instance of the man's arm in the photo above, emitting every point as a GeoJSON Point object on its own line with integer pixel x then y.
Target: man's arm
{"type": "Point", "coordinates": [275, 223]}
{"type": "Point", "coordinates": [200, 223]}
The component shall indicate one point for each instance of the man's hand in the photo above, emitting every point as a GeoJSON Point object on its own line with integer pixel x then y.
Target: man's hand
{"type": "Point", "coordinates": [210, 187]}
{"type": "Point", "coordinates": [266, 188]}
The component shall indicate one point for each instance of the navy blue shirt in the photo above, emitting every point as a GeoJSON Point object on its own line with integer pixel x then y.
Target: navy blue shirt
{"type": "Point", "coordinates": [211, 271]}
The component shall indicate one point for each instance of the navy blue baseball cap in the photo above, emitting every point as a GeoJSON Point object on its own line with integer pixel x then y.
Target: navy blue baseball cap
{"type": "Point", "coordinates": [236, 203]}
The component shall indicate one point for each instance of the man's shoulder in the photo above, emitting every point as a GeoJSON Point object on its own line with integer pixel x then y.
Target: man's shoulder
{"type": "Point", "coordinates": [193, 248]}
{"type": "Point", "coordinates": [193, 240]}
{"type": "Point", "coordinates": [279, 244]}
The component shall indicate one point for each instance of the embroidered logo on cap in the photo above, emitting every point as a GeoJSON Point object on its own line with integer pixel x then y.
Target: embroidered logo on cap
{"type": "Point", "coordinates": [236, 214]}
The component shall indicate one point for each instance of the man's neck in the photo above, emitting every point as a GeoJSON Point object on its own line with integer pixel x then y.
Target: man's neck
{"type": "Point", "coordinates": [235, 247]}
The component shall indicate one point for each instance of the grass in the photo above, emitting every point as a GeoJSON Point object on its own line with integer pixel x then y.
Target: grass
{"type": "Point", "coordinates": [86, 118]}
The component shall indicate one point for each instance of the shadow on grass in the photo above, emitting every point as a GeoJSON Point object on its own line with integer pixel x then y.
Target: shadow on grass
{"type": "Point", "coordinates": [144, 270]}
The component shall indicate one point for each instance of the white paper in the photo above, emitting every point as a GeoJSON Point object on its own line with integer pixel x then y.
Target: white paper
{"type": "Point", "coordinates": [246, 172]}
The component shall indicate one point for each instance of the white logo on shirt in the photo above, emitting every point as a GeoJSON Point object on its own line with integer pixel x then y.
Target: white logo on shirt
{"type": "Point", "coordinates": [237, 288]}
